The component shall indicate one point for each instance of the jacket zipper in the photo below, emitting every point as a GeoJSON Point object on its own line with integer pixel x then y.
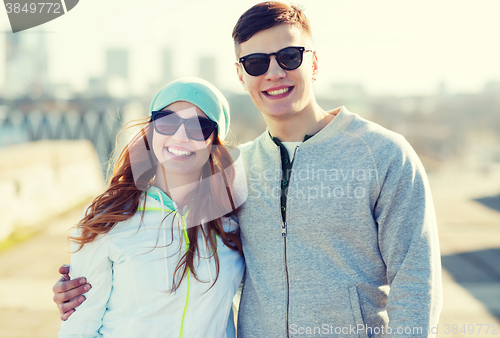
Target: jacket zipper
{"type": "Point", "coordinates": [283, 234]}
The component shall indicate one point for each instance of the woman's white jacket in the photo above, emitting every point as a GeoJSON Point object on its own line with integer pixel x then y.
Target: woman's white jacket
{"type": "Point", "coordinates": [131, 270]}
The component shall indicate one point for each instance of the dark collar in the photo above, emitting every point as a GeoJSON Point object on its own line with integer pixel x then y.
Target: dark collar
{"type": "Point", "coordinates": [278, 142]}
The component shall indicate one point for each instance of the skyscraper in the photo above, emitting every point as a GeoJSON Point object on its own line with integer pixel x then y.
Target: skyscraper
{"type": "Point", "coordinates": [26, 66]}
{"type": "Point", "coordinates": [166, 66]}
{"type": "Point", "coordinates": [117, 73]}
{"type": "Point", "coordinates": [207, 69]}
{"type": "Point", "coordinates": [117, 60]}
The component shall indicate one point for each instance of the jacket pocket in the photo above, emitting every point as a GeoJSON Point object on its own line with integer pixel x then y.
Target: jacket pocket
{"type": "Point", "coordinates": [356, 310]}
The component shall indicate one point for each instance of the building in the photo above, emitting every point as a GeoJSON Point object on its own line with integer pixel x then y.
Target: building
{"type": "Point", "coordinates": [117, 61]}
{"type": "Point", "coordinates": [207, 69]}
{"type": "Point", "coordinates": [116, 74]}
{"type": "Point", "coordinates": [26, 65]}
{"type": "Point", "coordinates": [166, 66]}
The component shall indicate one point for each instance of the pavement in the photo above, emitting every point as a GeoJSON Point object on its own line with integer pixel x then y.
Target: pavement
{"type": "Point", "coordinates": [468, 212]}
{"type": "Point", "coordinates": [27, 273]}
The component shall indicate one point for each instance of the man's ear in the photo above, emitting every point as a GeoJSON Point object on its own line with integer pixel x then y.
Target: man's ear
{"type": "Point", "coordinates": [239, 72]}
{"type": "Point", "coordinates": [315, 64]}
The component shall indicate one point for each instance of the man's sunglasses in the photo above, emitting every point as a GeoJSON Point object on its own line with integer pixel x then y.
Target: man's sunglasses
{"type": "Point", "coordinates": [288, 58]}
{"type": "Point", "coordinates": [198, 128]}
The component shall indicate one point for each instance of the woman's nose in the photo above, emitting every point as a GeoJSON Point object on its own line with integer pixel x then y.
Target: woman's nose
{"type": "Point", "coordinates": [180, 135]}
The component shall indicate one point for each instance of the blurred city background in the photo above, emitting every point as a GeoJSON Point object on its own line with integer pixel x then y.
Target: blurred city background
{"type": "Point", "coordinates": [429, 71]}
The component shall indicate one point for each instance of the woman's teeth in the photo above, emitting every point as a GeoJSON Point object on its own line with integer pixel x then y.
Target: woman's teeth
{"type": "Point", "coordinates": [178, 152]}
{"type": "Point", "coordinates": [278, 92]}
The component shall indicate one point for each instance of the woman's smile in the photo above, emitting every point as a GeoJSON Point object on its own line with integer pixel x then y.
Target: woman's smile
{"type": "Point", "coordinates": [179, 152]}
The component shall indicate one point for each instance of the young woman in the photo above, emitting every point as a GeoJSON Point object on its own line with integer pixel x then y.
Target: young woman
{"type": "Point", "coordinates": [159, 247]}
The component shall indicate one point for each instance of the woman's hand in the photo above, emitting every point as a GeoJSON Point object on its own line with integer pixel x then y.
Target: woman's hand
{"type": "Point", "coordinates": [68, 293]}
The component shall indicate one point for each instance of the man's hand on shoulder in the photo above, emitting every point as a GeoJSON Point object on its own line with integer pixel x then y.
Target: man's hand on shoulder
{"type": "Point", "coordinates": [68, 292]}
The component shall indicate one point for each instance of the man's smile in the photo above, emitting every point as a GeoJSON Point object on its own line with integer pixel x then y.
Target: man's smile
{"type": "Point", "coordinates": [278, 93]}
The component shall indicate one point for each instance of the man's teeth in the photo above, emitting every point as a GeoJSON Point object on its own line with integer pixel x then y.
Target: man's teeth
{"type": "Point", "coordinates": [279, 91]}
{"type": "Point", "coordinates": [178, 152]}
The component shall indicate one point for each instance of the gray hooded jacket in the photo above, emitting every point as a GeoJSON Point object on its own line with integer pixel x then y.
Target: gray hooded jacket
{"type": "Point", "coordinates": [358, 255]}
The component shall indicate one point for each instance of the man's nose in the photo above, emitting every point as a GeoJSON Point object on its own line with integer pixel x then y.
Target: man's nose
{"type": "Point", "coordinates": [275, 71]}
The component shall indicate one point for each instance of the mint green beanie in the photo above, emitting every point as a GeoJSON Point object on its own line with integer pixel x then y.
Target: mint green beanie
{"type": "Point", "coordinates": [199, 92]}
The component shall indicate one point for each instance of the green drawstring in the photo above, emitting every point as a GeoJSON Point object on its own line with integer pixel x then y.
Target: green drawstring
{"type": "Point", "coordinates": [186, 240]}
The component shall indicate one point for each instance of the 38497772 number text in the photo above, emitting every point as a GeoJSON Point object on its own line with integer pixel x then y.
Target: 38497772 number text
{"type": "Point", "coordinates": [40, 7]}
{"type": "Point", "coordinates": [472, 329]}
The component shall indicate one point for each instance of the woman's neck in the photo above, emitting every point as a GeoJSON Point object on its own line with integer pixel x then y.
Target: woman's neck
{"type": "Point", "coordinates": [177, 187]}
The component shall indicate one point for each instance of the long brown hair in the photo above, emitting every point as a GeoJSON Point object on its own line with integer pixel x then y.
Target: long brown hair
{"type": "Point", "coordinates": [121, 199]}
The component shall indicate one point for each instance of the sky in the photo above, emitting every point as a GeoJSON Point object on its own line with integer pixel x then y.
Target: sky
{"type": "Point", "coordinates": [391, 47]}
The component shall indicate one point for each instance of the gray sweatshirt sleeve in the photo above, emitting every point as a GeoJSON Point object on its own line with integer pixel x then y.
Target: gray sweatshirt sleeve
{"type": "Point", "coordinates": [408, 241]}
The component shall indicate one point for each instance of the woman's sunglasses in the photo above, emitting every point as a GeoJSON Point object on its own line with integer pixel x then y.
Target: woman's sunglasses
{"type": "Point", "coordinates": [288, 58]}
{"type": "Point", "coordinates": [197, 128]}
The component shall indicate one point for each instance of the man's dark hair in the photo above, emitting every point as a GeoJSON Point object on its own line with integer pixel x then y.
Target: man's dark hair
{"type": "Point", "coordinates": [266, 15]}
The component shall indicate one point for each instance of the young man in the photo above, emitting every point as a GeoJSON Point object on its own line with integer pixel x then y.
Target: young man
{"type": "Point", "coordinates": [338, 230]}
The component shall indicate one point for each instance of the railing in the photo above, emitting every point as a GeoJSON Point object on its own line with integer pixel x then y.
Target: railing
{"type": "Point", "coordinates": [99, 127]}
